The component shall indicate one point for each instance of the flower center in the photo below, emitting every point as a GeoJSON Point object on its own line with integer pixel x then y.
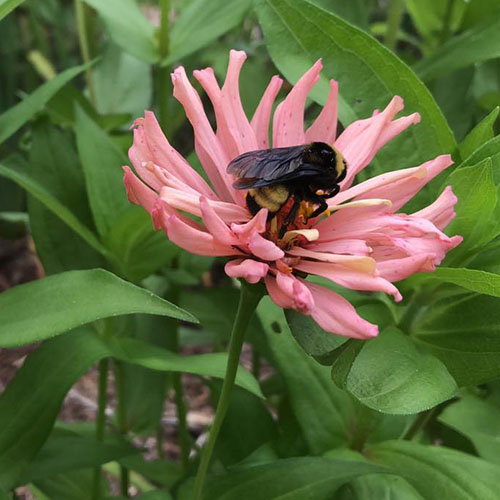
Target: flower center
{"type": "Point", "coordinates": [290, 226]}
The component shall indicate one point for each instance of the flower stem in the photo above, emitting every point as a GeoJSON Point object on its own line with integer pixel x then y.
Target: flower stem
{"type": "Point", "coordinates": [446, 29]}
{"type": "Point", "coordinates": [81, 12]}
{"type": "Point", "coordinates": [420, 422]}
{"type": "Point", "coordinates": [162, 73]}
{"type": "Point", "coordinates": [100, 420]}
{"type": "Point", "coordinates": [396, 9]}
{"type": "Point", "coordinates": [249, 299]}
{"type": "Point", "coordinates": [121, 416]}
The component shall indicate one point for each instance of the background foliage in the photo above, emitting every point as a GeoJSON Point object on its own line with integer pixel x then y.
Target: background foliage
{"type": "Point", "coordinates": [412, 414]}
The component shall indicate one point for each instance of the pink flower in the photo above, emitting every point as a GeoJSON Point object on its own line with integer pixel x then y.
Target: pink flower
{"type": "Point", "coordinates": [363, 245]}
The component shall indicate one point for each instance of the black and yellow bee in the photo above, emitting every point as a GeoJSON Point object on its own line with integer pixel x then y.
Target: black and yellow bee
{"type": "Point", "coordinates": [311, 173]}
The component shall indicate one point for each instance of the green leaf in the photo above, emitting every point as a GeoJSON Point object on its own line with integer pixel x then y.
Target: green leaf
{"type": "Point", "coordinates": [7, 6]}
{"type": "Point", "coordinates": [312, 338]}
{"type": "Point", "coordinates": [14, 118]}
{"type": "Point", "coordinates": [28, 409]}
{"type": "Point", "coordinates": [62, 453]}
{"type": "Point", "coordinates": [139, 250]}
{"type": "Point", "coordinates": [479, 420]}
{"type": "Point", "coordinates": [53, 305]}
{"type": "Point", "coordinates": [439, 473]}
{"type": "Point", "coordinates": [470, 279]}
{"type": "Point", "coordinates": [15, 169]}
{"type": "Point", "coordinates": [308, 385]}
{"type": "Point", "coordinates": [202, 22]}
{"type": "Point", "coordinates": [157, 358]}
{"type": "Point", "coordinates": [298, 33]}
{"type": "Point", "coordinates": [54, 165]}
{"type": "Point", "coordinates": [72, 485]}
{"type": "Point", "coordinates": [463, 331]}
{"type": "Point", "coordinates": [480, 134]}
{"type": "Point", "coordinates": [159, 471]}
{"type": "Point", "coordinates": [429, 17]}
{"type": "Point", "coordinates": [292, 478]}
{"type": "Point", "coordinates": [475, 45]}
{"type": "Point", "coordinates": [477, 198]}
{"type": "Point", "coordinates": [123, 83]}
{"type": "Point", "coordinates": [102, 162]}
{"type": "Point", "coordinates": [393, 375]}
{"type": "Point", "coordinates": [247, 425]}
{"type": "Point", "coordinates": [355, 11]}
{"type": "Point", "coordinates": [128, 27]}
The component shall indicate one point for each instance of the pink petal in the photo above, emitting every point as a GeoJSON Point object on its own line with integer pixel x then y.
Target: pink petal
{"type": "Point", "coordinates": [215, 225]}
{"type": "Point", "coordinates": [207, 145]}
{"type": "Point", "coordinates": [402, 188]}
{"type": "Point", "coordinates": [262, 115]}
{"type": "Point", "coordinates": [264, 249]}
{"type": "Point", "coordinates": [442, 211]}
{"type": "Point", "coordinates": [395, 127]}
{"type": "Point", "coordinates": [290, 293]}
{"type": "Point", "coordinates": [349, 278]}
{"type": "Point", "coordinates": [360, 141]}
{"type": "Point", "coordinates": [256, 224]}
{"type": "Point", "coordinates": [399, 269]}
{"type": "Point", "coordinates": [248, 269]}
{"type": "Point", "coordinates": [164, 155]}
{"type": "Point", "coordinates": [195, 241]}
{"type": "Point", "coordinates": [324, 128]}
{"type": "Point", "coordinates": [335, 314]}
{"type": "Point", "coordinates": [352, 247]}
{"type": "Point", "coordinates": [288, 124]}
{"type": "Point", "coordinates": [236, 119]}
{"type": "Point", "coordinates": [233, 129]}
{"type": "Point", "coordinates": [360, 263]}
{"type": "Point", "coordinates": [137, 191]}
{"type": "Point", "coordinates": [140, 155]}
{"type": "Point", "coordinates": [188, 202]}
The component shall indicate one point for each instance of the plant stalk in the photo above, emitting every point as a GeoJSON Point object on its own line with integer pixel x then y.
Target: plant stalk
{"type": "Point", "coordinates": [420, 422]}
{"type": "Point", "coordinates": [100, 423]}
{"type": "Point", "coordinates": [121, 416]}
{"type": "Point", "coordinates": [394, 17]}
{"type": "Point", "coordinates": [81, 11]}
{"type": "Point", "coordinates": [163, 83]}
{"type": "Point", "coordinates": [250, 296]}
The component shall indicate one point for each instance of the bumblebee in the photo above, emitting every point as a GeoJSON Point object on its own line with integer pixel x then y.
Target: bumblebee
{"type": "Point", "coordinates": [310, 173]}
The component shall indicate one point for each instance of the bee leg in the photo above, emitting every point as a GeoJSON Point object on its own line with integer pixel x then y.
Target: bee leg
{"type": "Point", "coordinates": [323, 205]}
{"type": "Point", "coordinates": [289, 217]}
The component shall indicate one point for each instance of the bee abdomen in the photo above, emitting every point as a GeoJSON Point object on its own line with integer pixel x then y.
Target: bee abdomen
{"type": "Point", "coordinates": [270, 197]}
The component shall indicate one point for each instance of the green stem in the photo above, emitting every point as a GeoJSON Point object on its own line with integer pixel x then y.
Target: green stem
{"type": "Point", "coordinates": [176, 383]}
{"type": "Point", "coordinates": [163, 73]}
{"type": "Point", "coordinates": [83, 38]}
{"type": "Point", "coordinates": [255, 363]}
{"type": "Point", "coordinates": [446, 29]}
{"type": "Point", "coordinates": [100, 420]}
{"type": "Point", "coordinates": [250, 296]}
{"type": "Point", "coordinates": [394, 17]}
{"type": "Point", "coordinates": [184, 438]}
{"type": "Point", "coordinates": [420, 422]}
{"type": "Point", "coordinates": [121, 416]}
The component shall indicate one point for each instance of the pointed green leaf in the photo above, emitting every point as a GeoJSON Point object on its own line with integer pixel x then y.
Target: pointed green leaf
{"type": "Point", "coordinates": [157, 358]}
{"type": "Point", "coordinates": [31, 402]}
{"type": "Point", "coordinates": [298, 33]}
{"type": "Point", "coordinates": [393, 375]}
{"type": "Point", "coordinates": [439, 473]}
{"type": "Point", "coordinates": [128, 27]}
{"type": "Point", "coordinates": [56, 304]}
{"type": "Point", "coordinates": [14, 118]}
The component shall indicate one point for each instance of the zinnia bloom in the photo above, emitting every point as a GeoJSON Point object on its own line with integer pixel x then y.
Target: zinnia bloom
{"type": "Point", "coordinates": [365, 244]}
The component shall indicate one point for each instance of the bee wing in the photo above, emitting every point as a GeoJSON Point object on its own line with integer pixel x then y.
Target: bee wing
{"type": "Point", "coordinates": [265, 167]}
